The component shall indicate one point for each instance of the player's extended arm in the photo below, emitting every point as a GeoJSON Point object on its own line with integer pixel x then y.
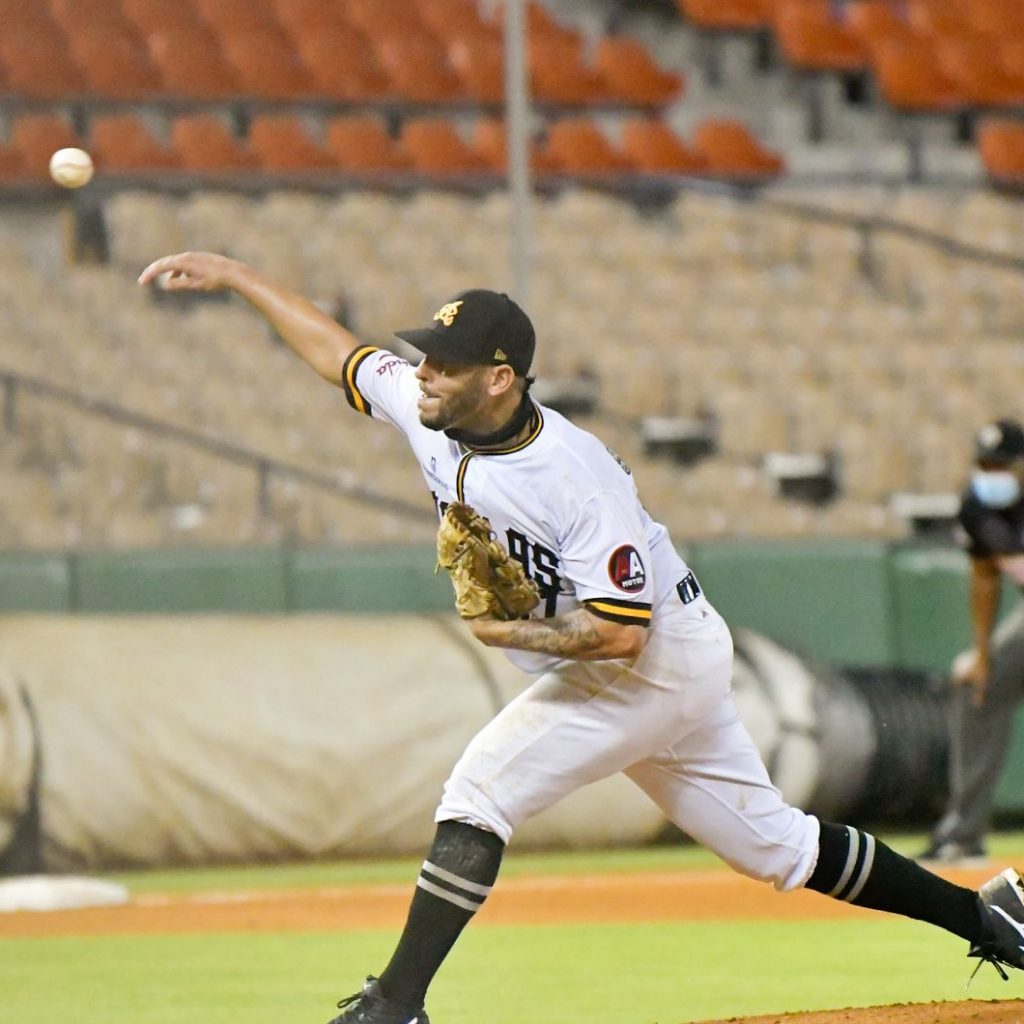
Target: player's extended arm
{"type": "Point", "coordinates": [984, 601]}
{"type": "Point", "coordinates": [309, 332]}
{"type": "Point", "coordinates": [577, 634]}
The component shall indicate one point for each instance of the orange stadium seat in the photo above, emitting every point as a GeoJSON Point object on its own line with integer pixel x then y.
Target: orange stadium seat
{"type": "Point", "coordinates": [455, 19]}
{"type": "Point", "coordinates": [1001, 148]}
{"type": "Point", "coordinates": [479, 62]}
{"type": "Point", "coordinates": [982, 81]}
{"type": "Point", "coordinates": [230, 16]}
{"type": "Point", "coordinates": [385, 19]}
{"type": "Point", "coordinates": [435, 148]}
{"type": "Point", "coordinates": [16, 15]}
{"type": "Point", "coordinates": [266, 65]}
{"type": "Point", "coordinates": [652, 147]}
{"type": "Point", "coordinates": [490, 142]}
{"type": "Point", "coordinates": [811, 39]}
{"type": "Point", "coordinates": [122, 143]}
{"type": "Point", "coordinates": [114, 66]}
{"type": "Point", "coordinates": [631, 75]}
{"type": "Point", "coordinates": [418, 70]}
{"type": "Point", "coordinates": [281, 142]}
{"type": "Point", "coordinates": [88, 16]}
{"type": "Point", "coordinates": [36, 137]}
{"type": "Point", "coordinates": [303, 18]}
{"type": "Point", "coordinates": [996, 18]}
{"type": "Point", "coordinates": [149, 16]}
{"type": "Point", "coordinates": [12, 166]}
{"type": "Point", "coordinates": [910, 80]}
{"type": "Point", "coordinates": [342, 67]}
{"type": "Point", "coordinates": [729, 150]}
{"type": "Point", "coordinates": [875, 21]}
{"type": "Point", "coordinates": [729, 15]}
{"type": "Point", "coordinates": [578, 147]}
{"type": "Point", "coordinates": [38, 63]}
{"type": "Point", "coordinates": [540, 24]}
{"type": "Point", "coordinates": [558, 74]}
{"type": "Point", "coordinates": [939, 17]}
{"type": "Point", "coordinates": [361, 144]}
{"type": "Point", "coordinates": [190, 64]}
{"type": "Point", "coordinates": [202, 142]}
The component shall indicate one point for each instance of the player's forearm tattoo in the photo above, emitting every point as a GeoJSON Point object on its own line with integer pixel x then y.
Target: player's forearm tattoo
{"type": "Point", "coordinates": [572, 635]}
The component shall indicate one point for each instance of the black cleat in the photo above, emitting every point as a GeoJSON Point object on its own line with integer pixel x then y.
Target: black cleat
{"type": "Point", "coordinates": [1001, 901]}
{"type": "Point", "coordinates": [370, 1007]}
{"type": "Point", "coordinates": [952, 854]}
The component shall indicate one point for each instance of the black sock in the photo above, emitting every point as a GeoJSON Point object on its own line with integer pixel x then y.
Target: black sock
{"type": "Point", "coordinates": [453, 884]}
{"type": "Point", "coordinates": [856, 867]}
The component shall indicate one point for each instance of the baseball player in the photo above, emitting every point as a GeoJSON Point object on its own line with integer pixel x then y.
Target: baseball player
{"type": "Point", "coordinates": [989, 679]}
{"type": "Point", "coordinates": [632, 664]}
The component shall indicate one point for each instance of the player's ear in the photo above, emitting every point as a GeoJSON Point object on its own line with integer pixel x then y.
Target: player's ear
{"type": "Point", "coordinates": [502, 378]}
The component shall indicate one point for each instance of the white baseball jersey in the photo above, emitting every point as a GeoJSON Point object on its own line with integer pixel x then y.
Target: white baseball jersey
{"type": "Point", "coordinates": [568, 509]}
{"type": "Point", "coordinates": [562, 504]}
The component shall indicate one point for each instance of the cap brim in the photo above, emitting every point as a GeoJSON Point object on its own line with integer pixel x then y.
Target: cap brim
{"type": "Point", "coordinates": [429, 343]}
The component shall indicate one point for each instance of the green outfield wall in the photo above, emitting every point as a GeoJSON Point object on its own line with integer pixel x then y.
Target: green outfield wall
{"type": "Point", "coordinates": [855, 603]}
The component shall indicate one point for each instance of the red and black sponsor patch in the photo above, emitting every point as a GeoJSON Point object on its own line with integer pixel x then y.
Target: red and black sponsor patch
{"type": "Point", "coordinates": [626, 570]}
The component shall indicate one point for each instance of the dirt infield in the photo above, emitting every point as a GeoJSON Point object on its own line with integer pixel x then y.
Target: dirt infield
{"type": "Point", "coordinates": [654, 896]}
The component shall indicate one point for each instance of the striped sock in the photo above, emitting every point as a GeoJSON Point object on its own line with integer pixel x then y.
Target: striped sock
{"type": "Point", "coordinates": [856, 867]}
{"type": "Point", "coordinates": [454, 881]}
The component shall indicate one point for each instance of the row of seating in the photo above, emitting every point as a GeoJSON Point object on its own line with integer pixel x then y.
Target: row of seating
{"type": "Point", "coordinates": [361, 145]}
{"type": "Point", "coordinates": [342, 51]}
{"type": "Point", "coordinates": [926, 56]}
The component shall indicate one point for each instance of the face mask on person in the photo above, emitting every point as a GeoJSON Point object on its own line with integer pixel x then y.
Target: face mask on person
{"type": "Point", "coordinates": [995, 488]}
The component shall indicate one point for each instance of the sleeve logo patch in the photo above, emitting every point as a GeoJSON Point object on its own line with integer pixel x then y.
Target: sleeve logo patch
{"type": "Point", "coordinates": [626, 570]}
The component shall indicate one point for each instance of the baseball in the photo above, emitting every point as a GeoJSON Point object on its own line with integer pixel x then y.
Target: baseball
{"type": "Point", "coordinates": [71, 168]}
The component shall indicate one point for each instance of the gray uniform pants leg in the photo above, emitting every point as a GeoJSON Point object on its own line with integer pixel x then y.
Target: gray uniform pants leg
{"type": "Point", "coordinates": [980, 738]}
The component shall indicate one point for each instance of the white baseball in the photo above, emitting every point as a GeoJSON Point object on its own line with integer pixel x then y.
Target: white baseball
{"type": "Point", "coordinates": [71, 168]}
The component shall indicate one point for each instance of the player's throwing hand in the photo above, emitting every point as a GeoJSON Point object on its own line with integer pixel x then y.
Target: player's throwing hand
{"type": "Point", "coordinates": [192, 272]}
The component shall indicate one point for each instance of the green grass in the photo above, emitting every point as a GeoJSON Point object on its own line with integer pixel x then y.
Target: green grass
{"type": "Point", "coordinates": [612, 974]}
{"type": "Point", "coordinates": [665, 973]}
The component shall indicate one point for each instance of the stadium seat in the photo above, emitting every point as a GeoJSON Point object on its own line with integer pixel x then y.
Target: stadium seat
{"type": "Point", "coordinates": [479, 62]}
{"type": "Point", "coordinates": [114, 66]}
{"type": "Point", "coordinates": [490, 141]}
{"type": "Point", "coordinates": [730, 151]}
{"type": "Point", "coordinates": [1001, 148]}
{"type": "Point", "coordinates": [121, 143]}
{"type": "Point", "coordinates": [305, 17]}
{"type": "Point", "coordinates": [75, 16]}
{"type": "Point", "coordinates": [229, 17]}
{"type": "Point", "coordinates": [996, 18]}
{"type": "Point", "coordinates": [341, 67]}
{"type": "Point", "coordinates": [652, 147]}
{"type": "Point", "coordinates": [728, 15]}
{"type": "Point", "coordinates": [36, 136]}
{"type": "Point", "coordinates": [191, 65]}
{"type": "Point", "coordinates": [38, 64]}
{"type": "Point", "coordinates": [12, 166]}
{"type": "Point", "coordinates": [204, 143]}
{"type": "Point", "coordinates": [910, 80]}
{"type": "Point", "coordinates": [558, 75]}
{"type": "Point", "coordinates": [386, 19]}
{"type": "Point", "coordinates": [361, 144]}
{"type": "Point", "coordinates": [447, 20]}
{"type": "Point", "coordinates": [281, 142]}
{"type": "Point", "coordinates": [266, 65]}
{"type": "Point", "coordinates": [811, 39]}
{"type": "Point", "coordinates": [980, 80]}
{"type": "Point", "coordinates": [875, 21]}
{"type": "Point", "coordinates": [435, 148]}
{"type": "Point", "coordinates": [418, 70]}
{"type": "Point", "coordinates": [938, 18]}
{"type": "Point", "coordinates": [149, 16]}
{"type": "Point", "coordinates": [630, 74]}
{"type": "Point", "coordinates": [579, 148]}
{"type": "Point", "coordinates": [18, 15]}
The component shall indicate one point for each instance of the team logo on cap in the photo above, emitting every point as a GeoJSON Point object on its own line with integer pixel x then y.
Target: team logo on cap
{"type": "Point", "coordinates": [448, 312]}
{"type": "Point", "coordinates": [626, 570]}
{"type": "Point", "coordinates": [499, 354]}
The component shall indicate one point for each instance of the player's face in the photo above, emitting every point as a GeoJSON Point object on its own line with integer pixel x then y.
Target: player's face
{"type": "Point", "coordinates": [452, 395]}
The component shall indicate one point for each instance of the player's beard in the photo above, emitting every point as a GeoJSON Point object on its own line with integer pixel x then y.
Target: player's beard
{"type": "Point", "coordinates": [451, 409]}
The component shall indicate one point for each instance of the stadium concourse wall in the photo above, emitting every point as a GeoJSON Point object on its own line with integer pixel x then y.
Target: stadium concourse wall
{"type": "Point", "coordinates": [851, 604]}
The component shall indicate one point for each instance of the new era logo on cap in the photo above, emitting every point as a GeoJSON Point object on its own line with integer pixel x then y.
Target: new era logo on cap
{"type": "Point", "coordinates": [477, 327]}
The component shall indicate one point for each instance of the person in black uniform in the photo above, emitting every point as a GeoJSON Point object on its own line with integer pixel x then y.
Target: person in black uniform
{"type": "Point", "coordinates": [989, 678]}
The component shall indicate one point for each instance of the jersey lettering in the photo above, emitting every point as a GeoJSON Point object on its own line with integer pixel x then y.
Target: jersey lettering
{"type": "Point", "coordinates": [540, 564]}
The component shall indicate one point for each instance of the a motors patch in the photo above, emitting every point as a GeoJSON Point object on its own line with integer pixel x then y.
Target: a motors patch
{"type": "Point", "coordinates": [626, 570]}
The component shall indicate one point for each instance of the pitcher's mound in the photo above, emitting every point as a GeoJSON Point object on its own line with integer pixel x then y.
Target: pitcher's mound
{"type": "Point", "coordinates": [1000, 1011]}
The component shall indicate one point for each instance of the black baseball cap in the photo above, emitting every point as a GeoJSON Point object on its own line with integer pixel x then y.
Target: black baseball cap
{"type": "Point", "coordinates": [1000, 442]}
{"type": "Point", "coordinates": [477, 327]}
